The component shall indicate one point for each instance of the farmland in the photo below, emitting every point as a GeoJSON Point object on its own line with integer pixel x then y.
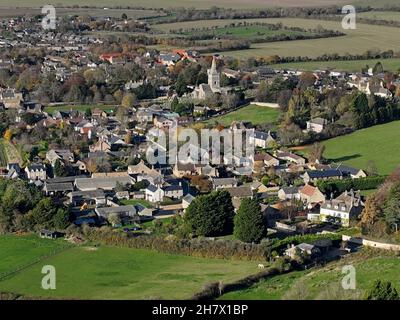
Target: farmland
{"type": "Point", "coordinates": [131, 13]}
{"type": "Point", "coordinates": [249, 32]}
{"type": "Point", "coordinates": [253, 113]}
{"type": "Point", "coordinates": [202, 4]}
{"type": "Point", "coordinates": [325, 283]}
{"type": "Point", "coordinates": [365, 37]}
{"type": "Point", "coordinates": [347, 66]}
{"type": "Point", "coordinates": [379, 144]}
{"type": "Point", "coordinates": [381, 15]}
{"type": "Point", "coordinates": [116, 273]}
{"type": "Point", "coordinates": [198, 4]}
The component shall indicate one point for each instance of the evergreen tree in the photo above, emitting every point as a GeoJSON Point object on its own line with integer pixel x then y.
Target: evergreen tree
{"type": "Point", "coordinates": [59, 169]}
{"type": "Point", "coordinates": [61, 219]}
{"type": "Point", "coordinates": [249, 222]}
{"type": "Point", "coordinates": [211, 215]}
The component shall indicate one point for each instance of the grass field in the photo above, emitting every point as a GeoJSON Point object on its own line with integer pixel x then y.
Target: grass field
{"type": "Point", "coordinates": [252, 113]}
{"type": "Point", "coordinates": [123, 273]}
{"type": "Point", "coordinates": [247, 32]}
{"type": "Point", "coordinates": [365, 37]}
{"type": "Point", "coordinates": [348, 66]}
{"type": "Point", "coordinates": [379, 143]}
{"type": "Point", "coordinates": [17, 251]}
{"type": "Point", "coordinates": [8, 153]}
{"type": "Point", "coordinates": [131, 13]}
{"type": "Point", "coordinates": [81, 108]}
{"type": "Point", "coordinates": [325, 282]}
{"type": "Point", "coordinates": [381, 15]}
{"type": "Point", "coordinates": [201, 4]}
{"type": "Point", "coordinates": [3, 155]}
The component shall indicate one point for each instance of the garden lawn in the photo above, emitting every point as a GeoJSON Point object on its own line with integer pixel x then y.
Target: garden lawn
{"type": "Point", "coordinates": [125, 273]}
{"type": "Point", "coordinates": [81, 108]}
{"type": "Point", "coordinates": [21, 250]}
{"type": "Point", "coordinates": [252, 113]}
{"type": "Point", "coordinates": [380, 144]}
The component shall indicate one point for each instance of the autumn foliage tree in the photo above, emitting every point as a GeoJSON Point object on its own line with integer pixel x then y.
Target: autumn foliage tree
{"type": "Point", "coordinates": [8, 135]}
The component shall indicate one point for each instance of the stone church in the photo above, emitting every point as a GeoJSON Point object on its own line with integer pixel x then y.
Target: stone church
{"type": "Point", "coordinates": [205, 90]}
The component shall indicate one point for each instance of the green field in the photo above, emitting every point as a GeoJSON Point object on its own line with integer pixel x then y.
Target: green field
{"type": "Point", "coordinates": [381, 15]}
{"type": "Point", "coordinates": [246, 32]}
{"type": "Point", "coordinates": [325, 283]}
{"type": "Point", "coordinates": [81, 108]}
{"type": "Point", "coordinates": [8, 153]}
{"type": "Point", "coordinates": [3, 155]}
{"type": "Point", "coordinates": [198, 4]}
{"type": "Point", "coordinates": [131, 13]}
{"type": "Point", "coordinates": [378, 143]}
{"type": "Point", "coordinates": [112, 272]}
{"type": "Point", "coordinates": [365, 37]}
{"type": "Point", "coordinates": [18, 251]}
{"type": "Point", "coordinates": [252, 113]}
{"type": "Point", "coordinates": [347, 66]}
{"type": "Point", "coordinates": [201, 4]}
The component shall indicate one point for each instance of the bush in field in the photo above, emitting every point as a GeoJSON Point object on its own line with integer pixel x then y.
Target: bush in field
{"type": "Point", "coordinates": [382, 291]}
{"type": "Point", "coordinates": [249, 222]}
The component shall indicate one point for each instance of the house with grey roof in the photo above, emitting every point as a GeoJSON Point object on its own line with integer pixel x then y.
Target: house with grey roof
{"type": "Point", "coordinates": [57, 189]}
{"type": "Point", "coordinates": [302, 248]}
{"type": "Point", "coordinates": [316, 125]}
{"type": "Point", "coordinates": [125, 213]}
{"type": "Point", "coordinates": [342, 209]}
{"type": "Point", "coordinates": [289, 193]}
{"type": "Point", "coordinates": [156, 193]}
{"type": "Point", "coordinates": [187, 200]}
{"type": "Point", "coordinates": [36, 171]}
{"type": "Point", "coordinates": [105, 183]}
{"type": "Point", "coordinates": [94, 197]}
{"type": "Point", "coordinates": [350, 171]}
{"type": "Point", "coordinates": [262, 139]}
{"type": "Point", "coordinates": [222, 183]}
{"type": "Point", "coordinates": [314, 175]}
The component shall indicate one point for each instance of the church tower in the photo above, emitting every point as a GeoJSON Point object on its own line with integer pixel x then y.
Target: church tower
{"type": "Point", "coordinates": [213, 76]}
